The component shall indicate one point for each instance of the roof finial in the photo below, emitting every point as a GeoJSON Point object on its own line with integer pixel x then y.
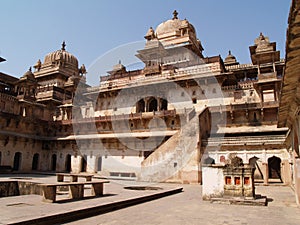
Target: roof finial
{"type": "Point", "coordinates": [119, 61]}
{"type": "Point", "coordinates": [63, 46]}
{"type": "Point", "coordinates": [175, 14]}
{"type": "Point", "coordinates": [229, 52]}
{"type": "Point", "coordinates": [262, 37]}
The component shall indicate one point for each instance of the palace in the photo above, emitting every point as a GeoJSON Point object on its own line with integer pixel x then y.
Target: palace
{"type": "Point", "coordinates": [158, 123]}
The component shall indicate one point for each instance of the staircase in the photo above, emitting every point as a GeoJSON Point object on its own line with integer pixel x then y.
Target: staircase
{"type": "Point", "coordinates": [171, 157]}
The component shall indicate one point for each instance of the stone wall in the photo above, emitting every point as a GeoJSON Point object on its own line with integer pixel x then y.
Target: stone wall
{"type": "Point", "coordinates": [212, 181]}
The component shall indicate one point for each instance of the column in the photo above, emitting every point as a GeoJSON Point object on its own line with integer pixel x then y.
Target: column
{"type": "Point", "coordinates": [285, 172]}
{"type": "Point", "coordinates": [265, 172]}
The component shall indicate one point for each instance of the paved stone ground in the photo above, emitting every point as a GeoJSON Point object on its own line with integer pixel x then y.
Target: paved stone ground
{"type": "Point", "coordinates": [183, 208]}
{"type": "Point", "coordinates": [188, 208]}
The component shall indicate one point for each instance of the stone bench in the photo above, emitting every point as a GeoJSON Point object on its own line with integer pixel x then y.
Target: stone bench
{"type": "Point", "coordinates": [74, 177]}
{"type": "Point", "coordinates": [76, 189]}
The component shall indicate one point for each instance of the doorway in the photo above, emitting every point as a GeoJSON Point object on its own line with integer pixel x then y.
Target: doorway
{"type": "Point", "coordinates": [17, 161]}
{"type": "Point", "coordinates": [68, 163]}
{"type": "Point", "coordinates": [83, 163]}
{"type": "Point", "coordinates": [53, 162]}
{"type": "Point", "coordinates": [274, 167]}
{"type": "Point", "coordinates": [99, 163]}
{"type": "Point", "coordinates": [35, 162]}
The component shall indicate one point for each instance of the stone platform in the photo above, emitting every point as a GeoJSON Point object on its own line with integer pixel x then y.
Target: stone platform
{"type": "Point", "coordinates": [238, 201]}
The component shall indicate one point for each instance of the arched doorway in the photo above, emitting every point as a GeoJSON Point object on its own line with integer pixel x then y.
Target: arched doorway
{"type": "Point", "coordinates": [140, 106]}
{"type": "Point", "coordinates": [53, 162]}
{"type": "Point", "coordinates": [99, 163]}
{"type": "Point", "coordinates": [35, 162]}
{"type": "Point", "coordinates": [274, 167]}
{"type": "Point", "coordinates": [83, 163]}
{"type": "Point", "coordinates": [17, 161]}
{"type": "Point", "coordinates": [68, 163]}
{"type": "Point", "coordinates": [257, 172]}
{"type": "Point", "coordinates": [152, 105]}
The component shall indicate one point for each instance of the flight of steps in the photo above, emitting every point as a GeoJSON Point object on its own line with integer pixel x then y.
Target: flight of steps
{"type": "Point", "coordinates": [165, 162]}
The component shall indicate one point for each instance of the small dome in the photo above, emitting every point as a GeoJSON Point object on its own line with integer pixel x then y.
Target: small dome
{"type": "Point", "coordinates": [172, 25]}
{"type": "Point", "coordinates": [28, 75]}
{"type": "Point", "coordinates": [63, 56]}
{"type": "Point", "coordinates": [150, 34]}
{"type": "Point", "coordinates": [230, 59]}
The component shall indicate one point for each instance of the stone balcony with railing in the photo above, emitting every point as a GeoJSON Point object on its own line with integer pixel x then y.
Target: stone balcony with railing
{"type": "Point", "coordinates": [263, 77]}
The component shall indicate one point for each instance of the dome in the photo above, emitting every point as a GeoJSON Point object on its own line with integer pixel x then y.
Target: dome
{"type": "Point", "coordinates": [230, 59]}
{"type": "Point", "coordinates": [28, 75]}
{"type": "Point", "coordinates": [63, 56]}
{"type": "Point", "coordinates": [172, 25]}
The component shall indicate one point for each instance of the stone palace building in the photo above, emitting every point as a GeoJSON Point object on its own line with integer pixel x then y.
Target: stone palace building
{"type": "Point", "coordinates": [158, 123]}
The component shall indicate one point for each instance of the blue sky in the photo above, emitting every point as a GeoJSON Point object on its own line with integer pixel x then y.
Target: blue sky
{"type": "Point", "coordinates": [30, 29]}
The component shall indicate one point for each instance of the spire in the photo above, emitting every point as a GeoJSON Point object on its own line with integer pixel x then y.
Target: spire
{"type": "Point", "coordinates": [175, 14]}
{"type": "Point", "coordinates": [63, 46]}
{"type": "Point", "coordinates": [30, 69]}
{"type": "Point", "coordinates": [262, 37]}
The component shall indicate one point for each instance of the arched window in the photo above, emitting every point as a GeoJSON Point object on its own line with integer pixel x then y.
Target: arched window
{"type": "Point", "coordinates": [140, 106]}
{"type": "Point", "coordinates": [164, 104]}
{"type": "Point", "coordinates": [152, 105]}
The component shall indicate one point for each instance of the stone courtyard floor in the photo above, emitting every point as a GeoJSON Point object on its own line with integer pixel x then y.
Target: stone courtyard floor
{"type": "Point", "coordinates": [186, 207]}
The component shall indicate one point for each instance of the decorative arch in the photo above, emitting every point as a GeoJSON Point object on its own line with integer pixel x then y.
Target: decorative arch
{"type": "Point", "coordinates": [17, 161]}
{"type": "Point", "coordinates": [83, 163]}
{"type": "Point", "coordinates": [35, 161]}
{"type": "Point", "coordinates": [140, 106]}
{"type": "Point", "coordinates": [152, 104]}
{"type": "Point", "coordinates": [99, 163]}
{"type": "Point", "coordinates": [53, 162]}
{"type": "Point", "coordinates": [164, 104]}
{"type": "Point", "coordinates": [274, 165]}
{"type": "Point", "coordinates": [68, 163]}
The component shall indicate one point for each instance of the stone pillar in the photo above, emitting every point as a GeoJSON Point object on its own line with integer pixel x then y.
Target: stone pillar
{"type": "Point", "coordinates": [297, 179]}
{"type": "Point", "coordinates": [265, 172]}
{"type": "Point", "coordinates": [158, 103]}
{"type": "Point", "coordinates": [285, 172]}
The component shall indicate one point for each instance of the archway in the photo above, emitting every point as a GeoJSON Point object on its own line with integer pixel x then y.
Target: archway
{"type": "Point", "coordinates": [17, 161]}
{"type": "Point", "coordinates": [274, 167]}
{"type": "Point", "coordinates": [140, 106]}
{"type": "Point", "coordinates": [53, 162]}
{"type": "Point", "coordinates": [258, 174]}
{"type": "Point", "coordinates": [164, 104]}
{"type": "Point", "coordinates": [83, 163]}
{"type": "Point", "coordinates": [68, 163]}
{"type": "Point", "coordinates": [99, 163]}
{"type": "Point", "coordinates": [35, 161]}
{"type": "Point", "coordinates": [152, 105]}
